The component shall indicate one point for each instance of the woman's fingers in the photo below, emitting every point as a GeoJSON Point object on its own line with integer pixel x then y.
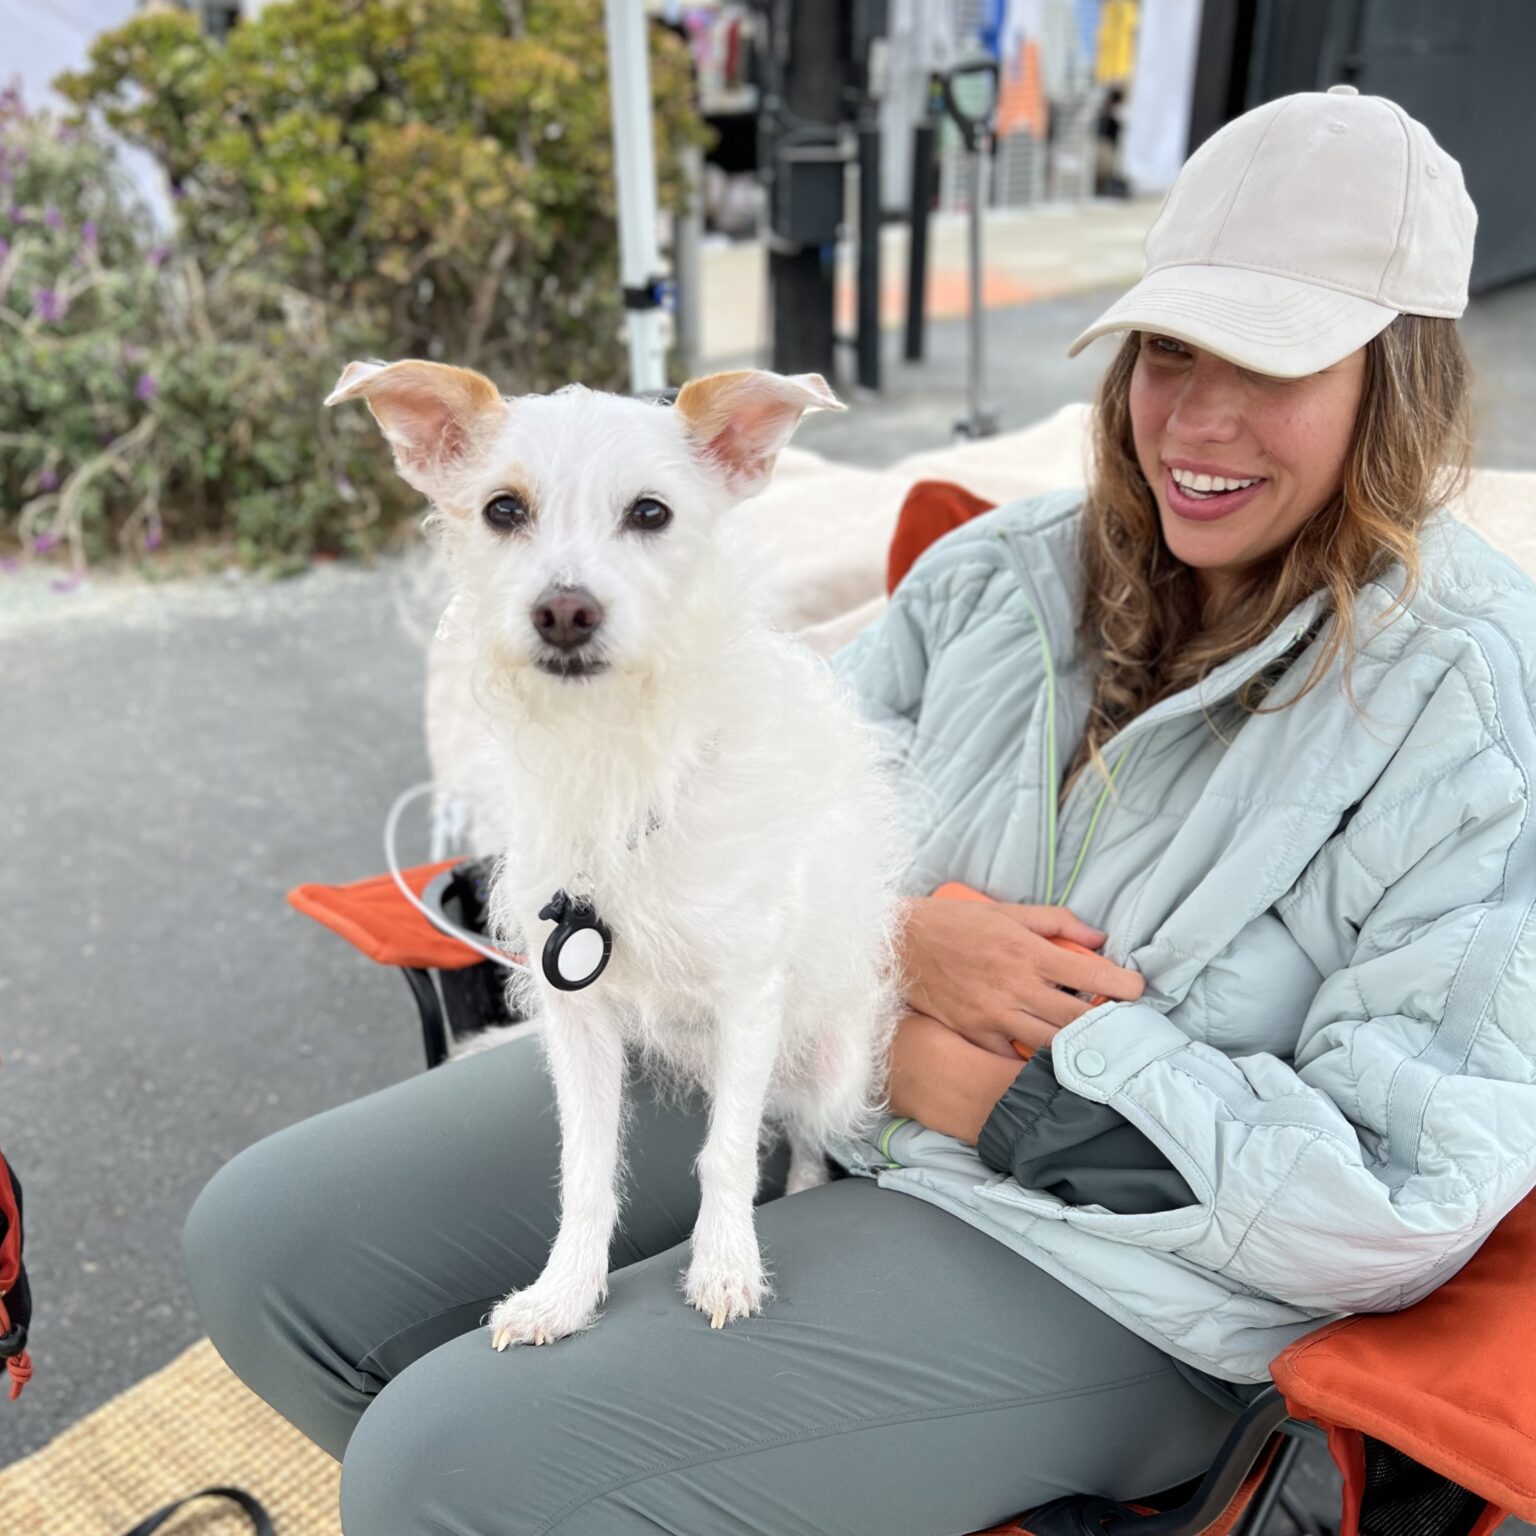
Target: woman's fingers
{"type": "Point", "coordinates": [1051, 1007]}
{"type": "Point", "coordinates": [988, 1033]}
{"type": "Point", "coordinates": [1094, 974]}
{"type": "Point", "coordinates": [1049, 921]}
{"type": "Point", "coordinates": [1036, 1033]}
{"type": "Point", "coordinates": [1071, 968]}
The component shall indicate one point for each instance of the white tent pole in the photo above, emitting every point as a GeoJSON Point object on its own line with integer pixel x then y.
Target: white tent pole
{"type": "Point", "coordinates": [634, 168]}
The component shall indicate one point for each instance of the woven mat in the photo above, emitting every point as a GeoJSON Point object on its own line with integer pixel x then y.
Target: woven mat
{"type": "Point", "coordinates": [191, 1426]}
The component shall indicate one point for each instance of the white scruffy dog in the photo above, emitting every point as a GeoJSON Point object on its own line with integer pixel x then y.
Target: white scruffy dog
{"type": "Point", "coordinates": [702, 781]}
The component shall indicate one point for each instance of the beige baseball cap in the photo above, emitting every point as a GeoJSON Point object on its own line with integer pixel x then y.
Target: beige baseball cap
{"type": "Point", "coordinates": [1298, 231]}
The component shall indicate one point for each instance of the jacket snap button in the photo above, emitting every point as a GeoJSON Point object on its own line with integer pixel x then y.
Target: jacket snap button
{"type": "Point", "coordinates": [1090, 1063]}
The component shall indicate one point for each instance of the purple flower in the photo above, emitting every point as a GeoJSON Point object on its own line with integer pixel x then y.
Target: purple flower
{"type": "Point", "coordinates": [177, 191]}
{"type": "Point", "coordinates": [66, 583]}
{"type": "Point", "coordinates": [10, 565]}
{"type": "Point", "coordinates": [52, 217]}
{"type": "Point", "coordinates": [88, 233]}
{"type": "Point", "coordinates": [147, 388]}
{"type": "Point", "coordinates": [5, 247]}
{"type": "Point", "coordinates": [44, 542]}
{"type": "Point", "coordinates": [49, 304]}
{"type": "Point", "coordinates": [158, 255]}
{"type": "Point", "coordinates": [152, 535]}
{"type": "Point", "coordinates": [48, 481]}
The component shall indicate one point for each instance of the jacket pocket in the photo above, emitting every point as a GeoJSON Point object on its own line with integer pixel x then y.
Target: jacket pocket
{"type": "Point", "coordinates": [1168, 1230]}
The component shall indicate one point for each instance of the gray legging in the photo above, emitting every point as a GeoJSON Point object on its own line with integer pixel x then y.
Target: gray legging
{"type": "Point", "coordinates": [911, 1376]}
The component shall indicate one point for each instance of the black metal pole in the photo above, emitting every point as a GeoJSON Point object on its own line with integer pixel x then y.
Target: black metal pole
{"type": "Point", "coordinates": [803, 335]}
{"type": "Point", "coordinates": [869, 254]}
{"type": "Point", "coordinates": [801, 108]}
{"type": "Point", "coordinates": [434, 1028]}
{"type": "Point", "coordinates": [1256, 1517]}
{"type": "Point", "coordinates": [917, 247]}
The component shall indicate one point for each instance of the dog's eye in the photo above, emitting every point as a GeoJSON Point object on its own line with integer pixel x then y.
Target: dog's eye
{"type": "Point", "coordinates": [506, 512]}
{"type": "Point", "coordinates": [649, 515]}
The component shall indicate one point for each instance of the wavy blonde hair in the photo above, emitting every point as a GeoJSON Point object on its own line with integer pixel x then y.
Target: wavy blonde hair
{"type": "Point", "coordinates": [1141, 626]}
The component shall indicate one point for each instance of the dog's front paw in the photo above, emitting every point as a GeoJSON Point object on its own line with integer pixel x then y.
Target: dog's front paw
{"type": "Point", "coordinates": [540, 1315]}
{"type": "Point", "coordinates": [724, 1292]}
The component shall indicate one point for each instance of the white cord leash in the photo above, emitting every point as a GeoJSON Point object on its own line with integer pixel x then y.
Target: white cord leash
{"type": "Point", "coordinates": [452, 929]}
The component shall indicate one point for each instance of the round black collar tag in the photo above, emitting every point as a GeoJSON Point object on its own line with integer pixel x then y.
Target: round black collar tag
{"type": "Point", "coordinates": [576, 952]}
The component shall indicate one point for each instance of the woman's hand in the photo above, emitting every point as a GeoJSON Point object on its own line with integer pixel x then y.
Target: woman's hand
{"type": "Point", "coordinates": [989, 972]}
{"type": "Point", "coordinates": [944, 1081]}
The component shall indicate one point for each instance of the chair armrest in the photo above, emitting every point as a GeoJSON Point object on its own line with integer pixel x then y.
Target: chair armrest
{"type": "Point", "coordinates": [374, 917]}
{"type": "Point", "coordinates": [1448, 1381]}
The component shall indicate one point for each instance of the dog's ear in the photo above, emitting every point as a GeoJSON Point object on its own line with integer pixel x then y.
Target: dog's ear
{"type": "Point", "coordinates": [739, 421]}
{"type": "Point", "coordinates": [433, 416]}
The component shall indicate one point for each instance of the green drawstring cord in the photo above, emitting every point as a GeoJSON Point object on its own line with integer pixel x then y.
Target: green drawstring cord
{"type": "Point", "coordinates": [1088, 838]}
{"type": "Point", "coordinates": [885, 1139]}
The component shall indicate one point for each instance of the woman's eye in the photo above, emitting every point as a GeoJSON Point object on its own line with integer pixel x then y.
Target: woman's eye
{"type": "Point", "coordinates": [649, 515]}
{"type": "Point", "coordinates": [506, 512]}
{"type": "Point", "coordinates": [1166, 346]}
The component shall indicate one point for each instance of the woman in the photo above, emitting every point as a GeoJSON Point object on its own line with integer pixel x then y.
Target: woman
{"type": "Point", "coordinates": [1310, 1091]}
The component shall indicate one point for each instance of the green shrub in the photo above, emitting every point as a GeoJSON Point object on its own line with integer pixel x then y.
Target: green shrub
{"type": "Point", "coordinates": [351, 178]}
{"type": "Point", "coordinates": [440, 169]}
{"type": "Point", "coordinates": [78, 293]}
{"type": "Point", "coordinates": [144, 400]}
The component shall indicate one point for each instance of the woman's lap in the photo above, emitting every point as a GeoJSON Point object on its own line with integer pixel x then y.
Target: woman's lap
{"type": "Point", "coordinates": [910, 1374]}
{"type": "Point", "coordinates": [328, 1257]}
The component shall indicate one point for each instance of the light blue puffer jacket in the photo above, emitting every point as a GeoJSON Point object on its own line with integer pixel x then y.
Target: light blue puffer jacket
{"type": "Point", "coordinates": [1336, 1046]}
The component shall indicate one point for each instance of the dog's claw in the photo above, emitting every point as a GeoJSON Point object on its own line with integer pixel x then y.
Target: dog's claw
{"type": "Point", "coordinates": [724, 1298]}
{"type": "Point", "coordinates": [539, 1317]}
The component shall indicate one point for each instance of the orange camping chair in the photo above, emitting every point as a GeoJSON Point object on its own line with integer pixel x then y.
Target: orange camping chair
{"type": "Point", "coordinates": [1429, 1413]}
{"type": "Point", "coordinates": [457, 992]}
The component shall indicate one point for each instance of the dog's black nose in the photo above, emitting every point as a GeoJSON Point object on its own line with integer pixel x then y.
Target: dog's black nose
{"type": "Point", "coordinates": [567, 616]}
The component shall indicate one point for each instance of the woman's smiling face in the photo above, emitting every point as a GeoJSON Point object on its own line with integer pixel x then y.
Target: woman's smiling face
{"type": "Point", "coordinates": [1194, 414]}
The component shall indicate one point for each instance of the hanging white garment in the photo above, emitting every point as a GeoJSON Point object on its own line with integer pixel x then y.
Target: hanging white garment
{"type": "Point", "coordinates": [1063, 69]}
{"type": "Point", "coordinates": [923, 37]}
{"type": "Point", "coordinates": [1157, 131]}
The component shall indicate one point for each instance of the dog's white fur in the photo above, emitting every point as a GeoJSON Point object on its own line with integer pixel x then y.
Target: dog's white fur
{"type": "Point", "coordinates": [715, 793]}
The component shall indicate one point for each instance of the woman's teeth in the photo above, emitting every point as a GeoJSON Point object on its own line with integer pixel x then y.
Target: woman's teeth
{"type": "Point", "coordinates": [1208, 485]}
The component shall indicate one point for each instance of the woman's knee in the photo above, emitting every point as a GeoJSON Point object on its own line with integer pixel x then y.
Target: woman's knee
{"type": "Point", "coordinates": [226, 1241]}
{"type": "Point", "coordinates": [252, 1237]}
{"type": "Point", "coordinates": [473, 1441]}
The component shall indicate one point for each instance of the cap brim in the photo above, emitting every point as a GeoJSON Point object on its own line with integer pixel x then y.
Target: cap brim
{"type": "Point", "coordinates": [1259, 320]}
